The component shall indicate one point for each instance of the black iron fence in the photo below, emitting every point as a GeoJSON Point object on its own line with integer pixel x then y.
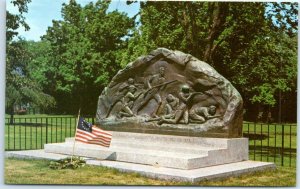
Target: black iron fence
{"type": "Point", "coordinates": [33, 132]}
{"type": "Point", "coordinates": [267, 142]}
{"type": "Point", "coordinates": [272, 142]}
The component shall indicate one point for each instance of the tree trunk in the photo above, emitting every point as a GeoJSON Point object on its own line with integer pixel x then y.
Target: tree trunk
{"type": "Point", "coordinates": [194, 31]}
{"type": "Point", "coordinates": [217, 26]}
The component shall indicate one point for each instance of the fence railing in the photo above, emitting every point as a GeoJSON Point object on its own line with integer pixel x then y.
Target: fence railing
{"type": "Point", "coordinates": [267, 142]}
{"type": "Point", "coordinates": [272, 142]}
{"type": "Point", "coordinates": [32, 133]}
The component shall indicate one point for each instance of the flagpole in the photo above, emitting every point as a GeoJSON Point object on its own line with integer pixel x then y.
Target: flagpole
{"type": "Point", "coordinates": [75, 134]}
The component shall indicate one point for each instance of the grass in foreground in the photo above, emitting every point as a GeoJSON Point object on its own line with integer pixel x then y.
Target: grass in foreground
{"type": "Point", "coordinates": [19, 171]}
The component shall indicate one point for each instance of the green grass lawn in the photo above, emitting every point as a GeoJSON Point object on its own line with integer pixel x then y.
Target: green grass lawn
{"type": "Point", "coordinates": [18, 171]}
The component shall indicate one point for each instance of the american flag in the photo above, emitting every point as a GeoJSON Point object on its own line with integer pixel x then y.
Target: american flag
{"type": "Point", "coordinates": [91, 134]}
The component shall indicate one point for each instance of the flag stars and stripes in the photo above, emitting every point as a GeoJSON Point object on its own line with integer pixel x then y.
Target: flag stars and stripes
{"type": "Point", "coordinates": [91, 134]}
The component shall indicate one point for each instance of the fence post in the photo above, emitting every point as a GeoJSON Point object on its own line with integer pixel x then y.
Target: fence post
{"type": "Point", "coordinates": [46, 130]}
{"type": "Point", "coordinates": [25, 132]}
{"type": "Point", "coordinates": [275, 143]}
{"type": "Point", "coordinates": [14, 124]}
{"type": "Point", "coordinates": [282, 144]}
{"type": "Point", "coordinates": [268, 142]}
{"type": "Point", "coordinates": [254, 140]}
{"type": "Point", "coordinates": [8, 128]}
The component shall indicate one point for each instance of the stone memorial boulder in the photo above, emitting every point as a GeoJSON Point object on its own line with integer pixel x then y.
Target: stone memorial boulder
{"type": "Point", "coordinates": [170, 92]}
{"type": "Point", "coordinates": [156, 97]}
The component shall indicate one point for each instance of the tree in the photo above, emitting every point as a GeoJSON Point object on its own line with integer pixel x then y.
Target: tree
{"type": "Point", "coordinates": [20, 87]}
{"type": "Point", "coordinates": [242, 41]}
{"type": "Point", "coordinates": [274, 68]}
{"type": "Point", "coordinates": [14, 21]}
{"type": "Point", "coordinates": [284, 16]}
{"type": "Point", "coordinates": [86, 45]}
{"type": "Point", "coordinates": [41, 69]}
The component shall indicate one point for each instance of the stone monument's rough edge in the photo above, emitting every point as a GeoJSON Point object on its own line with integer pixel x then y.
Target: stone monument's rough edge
{"type": "Point", "coordinates": [232, 118]}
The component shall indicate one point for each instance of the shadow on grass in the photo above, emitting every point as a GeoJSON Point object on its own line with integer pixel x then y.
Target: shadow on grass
{"type": "Point", "coordinates": [29, 124]}
{"type": "Point", "coordinates": [273, 150]}
{"type": "Point", "coordinates": [253, 136]}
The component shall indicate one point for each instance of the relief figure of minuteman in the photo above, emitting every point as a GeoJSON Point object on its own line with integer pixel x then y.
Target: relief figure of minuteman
{"type": "Point", "coordinates": [153, 92]}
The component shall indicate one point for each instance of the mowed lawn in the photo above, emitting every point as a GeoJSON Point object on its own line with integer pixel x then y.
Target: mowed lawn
{"type": "Point", "coordinates": [20, 171]}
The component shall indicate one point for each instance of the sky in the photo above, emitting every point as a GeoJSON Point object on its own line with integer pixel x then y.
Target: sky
{"type": "Point", "coordinates": [42, 12]}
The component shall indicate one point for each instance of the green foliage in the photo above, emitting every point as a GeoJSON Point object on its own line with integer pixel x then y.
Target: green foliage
{"type": "Point", "coordinates": [284, 16]}
{"type": "Point", "coordinates": [40, 65]}
{"type": "Point", "coordinates": [85, 48]}
{"type": "Point", "coordinates": [254, 45]}
{"type": "Point", "coordinates": [14, 21]}
{"type": "Point", "coordinates": [40, 69]}
{"type": "Point", "coordinates": [241, 40]}
{"type": "Point", "coordinates": [273, 63]}
{"type": "Point", "coordinates": [68, 163]}
{"type": "Point", "coordinates": [21, 88]}
{"type": "Point", "coordinates": [198, 28]}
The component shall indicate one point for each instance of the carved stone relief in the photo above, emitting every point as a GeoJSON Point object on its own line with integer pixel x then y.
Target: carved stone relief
{"type": "Point", "coordinates": [170, 89]}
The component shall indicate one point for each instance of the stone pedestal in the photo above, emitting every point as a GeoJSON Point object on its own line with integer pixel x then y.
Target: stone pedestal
{"type": "Point", "coordinates": [178, 152]}
{"type": "Point", "coordinates": [166, 157]}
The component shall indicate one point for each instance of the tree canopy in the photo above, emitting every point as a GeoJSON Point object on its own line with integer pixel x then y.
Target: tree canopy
{"type": "Point", "coordinates": [238, 39]}
{"type": "Point", "coordinates": [21, 87]}
{"type": "Point", "coordinates": [253, 45]}
{"type": "Point", "coordinates": [15, 21]}
{"type": "Point", "coordinates": [86, 45]}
